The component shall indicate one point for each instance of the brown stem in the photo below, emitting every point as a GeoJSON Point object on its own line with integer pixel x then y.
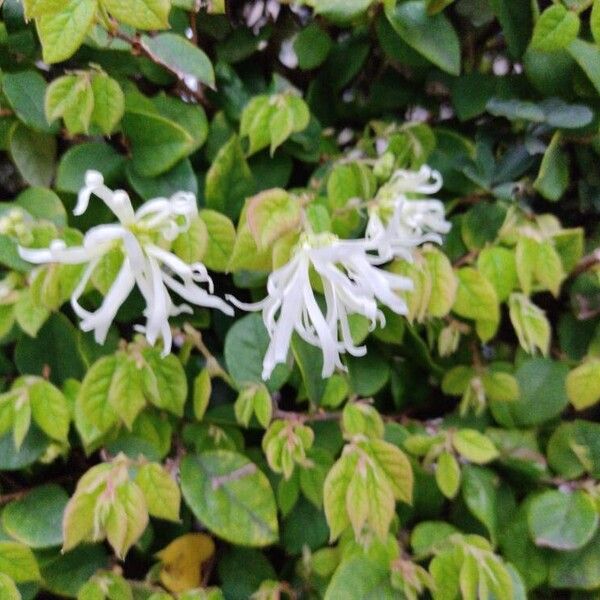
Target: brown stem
{"type": "Point", "coordinates": [587, 262]}
{"type": "Point", "coordinates": [138, 48]}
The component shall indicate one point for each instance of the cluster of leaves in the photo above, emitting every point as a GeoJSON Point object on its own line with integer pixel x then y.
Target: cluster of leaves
{"type": "Point", "coordinates": [460, 457]}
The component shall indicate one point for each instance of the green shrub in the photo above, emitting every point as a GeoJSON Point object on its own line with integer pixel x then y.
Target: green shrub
{"type": "Point", "coordinates": [299, 299]}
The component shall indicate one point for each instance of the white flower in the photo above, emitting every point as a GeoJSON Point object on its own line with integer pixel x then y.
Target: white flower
{"type": "Point", "coordinates": [397, 224]}
{"type": "Point", "coordinates": [142, 236]}
{"type": "Point", "coordinates": [352, 284]}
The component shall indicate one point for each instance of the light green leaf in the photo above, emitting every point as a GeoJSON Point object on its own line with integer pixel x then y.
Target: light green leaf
{"type": "Point", "coordinates": [229, 180]}
{"type": "Point", "coordinates": [62, 32]}
{"type": "Point", "coordinates": [221, 239]}
{"type": "Point", "coordinates": [583, 384]}
{"type": "Point", "coordinates": [476, 299]}
{"type": "Point", "coordinates": [201, 393]}
{"type": "Point", "coordinates": [171, 381]}
{"type": "Point", "coordinates": [8, 589]}
{"type": "Point", "coordinates": [530, 323]}
{"type": "Point", "coordinates": [141, 14]}
{"type": "Point", "coordinates": [474, 446]}
{"type": "Point", "coordinates": [18, 562]}
{"type": "Point", "coordinates": [109, 103]}
{"type": "Point", "coordinates": [553, 177]}
{"type": "Point", "coordinates": [271, 214]}
{"type": "Point", "coordinates": [334, 494]}
{"type": "Point", "coordinates": [160, 490]}
{"type": "Point", "coordinates": [94, 414]}
{"type": "Point", "coordinates": [556, 28]}
{"type": "Point", "coordinates": [447, 474]}
{"type": "Point", "coordinates": [126, 391]}
{"type": "Point", "coordinates": [443, 282]}
{"type": "Point", "coordinates": [50, 410]}
{"type": "Point", "coordinates": [497, 264]}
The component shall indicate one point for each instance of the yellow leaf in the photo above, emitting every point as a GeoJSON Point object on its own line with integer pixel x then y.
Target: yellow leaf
{"type": "Point", "coordinates": [182, 561]}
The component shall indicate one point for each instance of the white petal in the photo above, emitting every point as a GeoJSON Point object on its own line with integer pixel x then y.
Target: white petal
{"type": "Point", "coordinates": [101, 320]}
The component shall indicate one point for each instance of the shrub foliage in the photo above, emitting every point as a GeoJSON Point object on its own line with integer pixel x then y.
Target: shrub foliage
{"type": "Point", "coordinates": [457, 457]}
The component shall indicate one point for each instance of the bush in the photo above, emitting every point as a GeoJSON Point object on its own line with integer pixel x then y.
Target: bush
{"type": "Point", "coordinates": [299, 299]}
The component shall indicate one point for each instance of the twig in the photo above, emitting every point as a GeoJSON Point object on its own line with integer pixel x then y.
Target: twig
{"type": "Point", "coordinates": [587, 262]}
{"type": "Point", "coordinates": [138, 48]}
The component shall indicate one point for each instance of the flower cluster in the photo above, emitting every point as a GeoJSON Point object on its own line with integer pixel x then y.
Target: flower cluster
{"type": "Point", "coordinates": [142, 237]}
{"type": "Point", "coordinates": [349, 271]}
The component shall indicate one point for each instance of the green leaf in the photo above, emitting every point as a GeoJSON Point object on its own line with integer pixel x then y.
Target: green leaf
{"type": "Point", "coordinates": [94, 414]}
{"type": "Point", "coordinates": [158, 141]}
{"type": "Point", "coordinates": [29, 314]}
{"type": "Point", "coordinates": [553, 178]}
{"type": "Point", "coordinates": [126, 391]}
{"type": "Point", "coordinates": [25, 92]}
{"type": "Point", "coordinates": [127, 518]}
{"type": "Point", "coordinates": [595, 21]}
{"type": "Point", "coordinates": [479, 493]}
{"type": "Point", "coordinates": [476, 299]}
{"type": "Point", "coordinates": [498, 265]}
{"type": "Point", "coordinates": [229, 180]}
{"type": "Point", "coordinates": [201, 393]}
{"type": "Point", "coordinates": [141, 14]}
{"type": "Point", "coordinates": [71, 98]}
{"type": "Point", "coordinates": [65, 574]}
{"type": "Point", "coordinates": [180, 57]}
{"type": "Point", "coordinates": [311, 46]}
{"type": "Point", "coordinates": [221, 239]}
{"type": "Point", "coordinates": [35, 519]}
{"type": "Point", "coordinates": [62, 32]}
{"type": "Point", "coordinates": [587, 56]}
{"type": "Point", "coordinates": [341, 11]}
{"type": "Point", "coordinates": [563, 521]}
{"type": "Point", "coordinates": [500, 387]}
{"type": "Point", "coordinates": [18, 562]}
{"type": "Point", "coordinates": [335, 491]}
{"type": "Point", "coordinates": [271, 214]}
{"type": "Point", "coordinates": [43, 203]}
{"type": "Point", "coordinates": [443, 282]}
{"type": "Point", "coordinates": [577, 569]}
{"type": "Point", "coordinates": [474, 446]}
{"type": "Point", "coordinates": [160, 490]}
{"type": "Point", "coordinates": [245, 346]}
{"type": "Point", "coordinates": [361, 577]}
{"type": "Point", "coordinates": [50, 410]}
{"type": "Point", "coordinates": [228, 493]}
{"type": "Point", "coordinates": [191, 244]}
{"type": "Point", "coordinates": [556, 28]}
{"type": "Point", "coordinates": [171, 382]}
{"type": "Point", "coordinates": [8, 589]}
{"type": "Point", "coordinates": [432, 36]}
{"type": "Point", "coordinates": [516, 20]}
{"type": "Point", "coordinates": [109, 103]}
{"type": "Point", "coordinates": [78, 159]}
{"type": "Point", "coordinates": [447, 474]}
{"type": "Point", "coordinates": [530, 323]}
{"type": "Point", "coordinates": [583, 385]}
{"type": "Point", "coordinates": [542, 394]}
{"type": "Point", "coordinates": [359, 418]}
{"type": "Point", "coordinates": [34, 154]}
